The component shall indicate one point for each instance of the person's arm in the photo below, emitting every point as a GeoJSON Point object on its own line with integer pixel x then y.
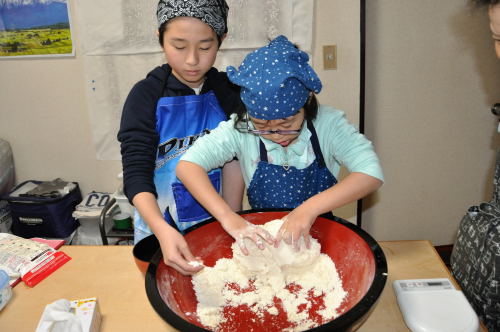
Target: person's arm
{"type": "Point", "coordinates": [341, 143]}
{"type": "Point", "coordinates": [139, 141]}
{"type": "Point", "coordinates": [218, 149]}
{"type": "Point", "coordinates": [298, 222]}
{"type": "Point", "coordinates": [196, 180]}
{"type": "Point", "coordinates": [233, 185]}
{"type": "Point", "coordinates": [175, 250]}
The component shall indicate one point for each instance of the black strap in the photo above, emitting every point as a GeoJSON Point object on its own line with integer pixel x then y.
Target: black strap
{"type": "Point", "coordinates": [263, 151]}
{"type": "Point", "coordinates": [314, 142]}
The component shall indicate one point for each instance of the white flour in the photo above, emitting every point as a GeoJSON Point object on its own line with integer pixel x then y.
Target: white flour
{"type": "Point", "coordinates": [267, 272]}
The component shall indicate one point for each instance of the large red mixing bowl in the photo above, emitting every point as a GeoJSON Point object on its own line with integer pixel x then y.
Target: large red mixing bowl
{"type": "Point", "coordinates": [358, 258]}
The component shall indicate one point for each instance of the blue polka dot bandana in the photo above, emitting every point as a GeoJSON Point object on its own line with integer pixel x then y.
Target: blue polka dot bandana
{"type": "Point", "coordinates": [275, 80]}
{"type": "Point", "coordinates": [212, 12]}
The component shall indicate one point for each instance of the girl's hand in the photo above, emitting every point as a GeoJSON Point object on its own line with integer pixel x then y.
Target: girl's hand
{"type": "Point", "coordinates": [240, 229]}
{"type": "Point", "coordinates": [296, 224]}
{"type": "Point", "coordinates": [176, 253]}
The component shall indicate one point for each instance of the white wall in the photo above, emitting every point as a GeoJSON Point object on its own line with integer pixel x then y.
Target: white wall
{"type": "Point", "coordinates": [431, 76]}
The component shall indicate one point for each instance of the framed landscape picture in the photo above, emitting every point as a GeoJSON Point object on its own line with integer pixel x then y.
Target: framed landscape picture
{"type": "Point", "coordinates": [35, 28]}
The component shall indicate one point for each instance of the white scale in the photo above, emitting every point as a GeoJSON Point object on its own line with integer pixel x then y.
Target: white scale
{"type": "Point", "coordinates": [434, 305]}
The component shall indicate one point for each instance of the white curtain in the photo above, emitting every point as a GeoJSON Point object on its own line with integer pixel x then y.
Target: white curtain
{"type": "Point", "coordinates": [120, 47]}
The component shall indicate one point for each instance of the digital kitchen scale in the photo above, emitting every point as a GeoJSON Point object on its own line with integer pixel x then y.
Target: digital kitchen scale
{"type": "Point", "coordinates": [434, 305]}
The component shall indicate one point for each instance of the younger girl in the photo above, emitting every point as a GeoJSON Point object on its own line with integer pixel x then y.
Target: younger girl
{"type": "Point", "coordinates": [165, 113]}
{"type": "Point", "coordinates": [290, 149]}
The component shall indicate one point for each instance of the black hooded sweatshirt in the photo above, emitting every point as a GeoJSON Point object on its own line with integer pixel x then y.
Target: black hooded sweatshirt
{"type": "Point", "coordinates": [138, 135]}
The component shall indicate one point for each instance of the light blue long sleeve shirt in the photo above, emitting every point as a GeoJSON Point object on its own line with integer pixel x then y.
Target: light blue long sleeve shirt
{"type": "Point", "coordinates": [340, 142]}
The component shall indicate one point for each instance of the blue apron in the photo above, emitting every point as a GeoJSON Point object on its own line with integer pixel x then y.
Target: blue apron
{"type": "Point", "coordinates": [180, 121]}
{"type": "Point", "coordinates": [276, 186]}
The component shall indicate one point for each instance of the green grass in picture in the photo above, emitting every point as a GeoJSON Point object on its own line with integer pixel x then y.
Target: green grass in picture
{"type": "Point", "coordinates": [35, 42]}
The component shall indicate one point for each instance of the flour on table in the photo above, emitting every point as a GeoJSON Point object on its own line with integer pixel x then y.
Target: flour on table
{"type": "Point", "coordinates": [267, 272]}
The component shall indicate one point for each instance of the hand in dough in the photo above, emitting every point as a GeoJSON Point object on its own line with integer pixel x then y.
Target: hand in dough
{"type": "Point", "coordinates": [240, 229]}
{"type": "Point", "coordinates": [296, 224]}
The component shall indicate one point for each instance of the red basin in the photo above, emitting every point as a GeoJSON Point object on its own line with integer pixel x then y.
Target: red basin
{"type": "Point", "coordinates": [359, 260]}
{"type": "Point", "coordinates": [144, 251]}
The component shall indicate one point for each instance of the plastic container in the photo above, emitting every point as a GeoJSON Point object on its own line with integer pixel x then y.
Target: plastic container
{"type": "Point", "coordinates": [122, 221]}
{"type": "Point", "coordinates": [5, 289]}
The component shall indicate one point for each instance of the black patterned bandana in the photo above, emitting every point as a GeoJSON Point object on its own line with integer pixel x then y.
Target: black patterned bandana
{"type": "Point", "coordinates": [211, 12]}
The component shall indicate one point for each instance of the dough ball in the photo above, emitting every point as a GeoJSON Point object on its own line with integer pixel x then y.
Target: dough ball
{"type": "Point", "coordinates": [270, 258]}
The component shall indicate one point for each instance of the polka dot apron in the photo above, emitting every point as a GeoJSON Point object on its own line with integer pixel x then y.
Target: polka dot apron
{"type": "Point", "coordinates": [284, 186]}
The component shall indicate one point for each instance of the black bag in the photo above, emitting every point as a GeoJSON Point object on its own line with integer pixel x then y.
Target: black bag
{"type": "Point", "coordinates": [475, 260]}
{"type": "Point", "coordinates": [48, 217]}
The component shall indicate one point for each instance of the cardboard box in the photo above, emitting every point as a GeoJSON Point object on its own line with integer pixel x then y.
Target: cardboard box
{"type": "Point", "coordinates": [87, 310]}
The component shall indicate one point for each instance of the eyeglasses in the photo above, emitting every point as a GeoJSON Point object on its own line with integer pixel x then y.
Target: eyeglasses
{"type": "Point", "coordinates": [270, 132]}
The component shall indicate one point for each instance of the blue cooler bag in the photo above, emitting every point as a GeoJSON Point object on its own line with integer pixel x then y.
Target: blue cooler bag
{"type": "Point", "coordinates": [47, 217]}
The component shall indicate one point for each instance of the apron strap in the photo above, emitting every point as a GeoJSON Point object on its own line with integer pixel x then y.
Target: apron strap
{"type": "Point", "coordinates": [314, 142]}
{"type": "Point", "coordinates": [263, 151]}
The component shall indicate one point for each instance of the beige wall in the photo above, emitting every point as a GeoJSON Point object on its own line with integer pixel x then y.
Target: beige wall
{"type": "Point", "coordinates": [431, 76]}
{"type": "Point", "coordinates": [338, 22]}
{"type": "Point", "coordinates": [44, 117]}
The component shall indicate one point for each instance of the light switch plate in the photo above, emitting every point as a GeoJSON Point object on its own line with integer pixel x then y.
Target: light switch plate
{"type": "Point", "coordinates": [329, 57]}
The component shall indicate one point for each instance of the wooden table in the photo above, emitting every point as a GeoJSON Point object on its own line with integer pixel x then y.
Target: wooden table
{"type": "Point", "coordinates": [109, 273]}
{"type": "Point", "coordinates": [405, 260]}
